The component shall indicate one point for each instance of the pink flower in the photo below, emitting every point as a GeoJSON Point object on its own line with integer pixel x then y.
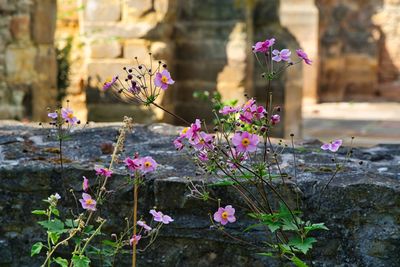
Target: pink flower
{"type": "Point", "coordinates": [225, 215]}
{"type": "Point", "coordinates": [103, 172]}
{"type": "Point", "coordinates": [203, 156]}
{"type": "Point", "coordinates": [251, 111]}
{"type": "Point", "coordinates": [53, 115]}
{"type": "Point", "coordinates": [203, 141]}
{"type": "Point", "coordinates": [135, 239]}
{"type": "Point", "coordinates": [236, 157]}
{"type": "Point", "coordinates": [301, 54]}
{"type": "Point", "coordinates": [332, 146]}
{"type": "Point", "coordinates": [158, 216]}
{"type": "Point", "coordinates": [284, 55]}
{"type": "Point", "coordinates": [178, 143]}
{"type": "Point", "coordinates": [228, 110]}
{"type": "Point", "coordinates": [193, 132]}
{"type": "Point", "coordinates": [144, 225]}
{"type": "Point", "coordinates": [109, 82]}
{"type": "Point", "coordinates": [87, 202]}
{"type": "Point", "coordinates": [183, 133]}
{"type": "Point", "coordinates": [245, 142]}
{"type": "Point", "coordinates": [275, 119]}
{"type": "Point", "coordinates": [148, 164]}
{"type": "Point", "coordinates": [132, 164]}
{"type": "Point", "coordinates": [163, 79]}
{"type": "Point", "coordinates": [134, 89]}
{"type": "Point", "coordinates": [68, 115]}
{"type": "Point", "coordinates": [85, 184]}
{"type": "Point", "coordinates": [263, 46]}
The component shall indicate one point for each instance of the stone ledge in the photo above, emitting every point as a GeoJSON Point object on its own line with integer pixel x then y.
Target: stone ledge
{"type": "Point", "coordinates": [361, 207]}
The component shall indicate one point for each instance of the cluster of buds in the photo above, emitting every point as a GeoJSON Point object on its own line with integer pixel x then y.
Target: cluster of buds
{"type": "Point", "coordinates": [141, 83]}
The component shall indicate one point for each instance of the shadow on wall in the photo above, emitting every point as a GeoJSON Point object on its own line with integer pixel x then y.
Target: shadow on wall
{"type": "Point", "coordinates": [201, 33]}
{"type": "Point", "coordinates": [212, 52]}
{"type": "Point", "coordinates": [357, 50]}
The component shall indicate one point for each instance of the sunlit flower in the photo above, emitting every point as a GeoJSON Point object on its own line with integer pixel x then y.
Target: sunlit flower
{"type": "Point", "coordinates": [103, 172]}
{"type": "Point", "coordinates": [85, 184]}
{"type": "Point", "coordinates": [263, 46]}
{"type": "Point", "coordinates": [144, 225]}
{"type": "Point", "coordinates": [88, 203]}
{"type": "Point", "coordinates": [68, 115]}
{"type": "Point", "coordinates": [163, 79]}
{"type": "Point", "coordinates": [225, 215]}
{"type": "Point", "coordinates": [109, 82]}
{"type": "Point", "coordinates": [228, 110]}
{"type": "Point", "coordinates": [275, 119]}
{"type": "Point", "coordinates": [52, 115]}
{"type": "Point", "coordinates": [204, 141]}
{"type": "Point", "coordinates": [178, 143]}
{"type": "Point", "coordinates": [148, 164]}
{"type": "Point", "coordinates": [332, 146]}
{"type": "Point", "coordinates": [284, 55]}
{"type": "Point", "coordinates": [133, 164]}
{"type": "Point", "coordinates": [193, 132]}
{"type": "Point", "coordinates": [301, 54]}
{"type": "Point", "coordinates": [158, 216]}
{"type": "Point", "coordinates": [135, 239]}
{"type": "Point", "coordinates": [236, 157]}
{"type": "Point", "coordinates": [245, 142]}
{"type": "Point", "coordinates": [251, 111]}
{"type": "Point", "coordinates": [53, 199]}
{"type": "Point", "coordinates": [203, 156]}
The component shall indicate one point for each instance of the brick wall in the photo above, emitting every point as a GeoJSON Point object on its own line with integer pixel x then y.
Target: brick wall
{"type": "Point", "coordinates": [27, 58]}
{"type": "Point", "coordinates": [359, 50]}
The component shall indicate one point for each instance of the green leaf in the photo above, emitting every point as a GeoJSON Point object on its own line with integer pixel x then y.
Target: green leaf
{"type": "Point", "coordinates": [71, 223]}
{"type": "Point", "coordinates": [315, 226]}
{"type": "Point", "coordinates": [302, 245]}
{"type": "Point", "coordinates": [266, 254]}
{"type": "Point", "coordinates": [54, 236]}
{"type": "Point", "coordinates": [109, 243]}
{"type": "Point", "coordinates": [62, 262]}
{"type": "Point", "coordinates": [54, 210]}
{"type": "Point", "coordinates": [273, 226]}
{"type": "Point", "coordinates": [54, 225]}
{"type": "Point", "coordinates": [80, 261]}
{"type": "Point", "coordinates": [89, 230]}
{"type": "Point", "coordinates": [36, 248]}
{"type": "Point", "coordinates": [299, 263]}
{"type": "Point", "coordinates": [39, 212]}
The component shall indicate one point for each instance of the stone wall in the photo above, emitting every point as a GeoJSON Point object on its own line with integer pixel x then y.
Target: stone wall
{"type": "Point", "coordinates": [360, 206]}
{"type": "Point", "coordinates": [359, 47]}
{"type": "Point", "coordinates": [27, 58]}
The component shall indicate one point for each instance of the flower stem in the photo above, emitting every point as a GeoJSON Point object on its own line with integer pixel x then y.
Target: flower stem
{"type": "Point", "coordinates": [170, 113]}
{"type": "Point", "coordinates": [135, 197]}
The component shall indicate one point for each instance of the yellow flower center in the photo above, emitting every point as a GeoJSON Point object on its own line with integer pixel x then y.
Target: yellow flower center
{"type": "Point", "coordinates": [224, 215]}
{"type": "Point", "coordinates": [147, 164]}
{"type": "Point", "coordinates": [164, 79]}
{"type": "Point", "coordinates": [201, 141]}
{"type": "Point", "coordinates": [108, 80]}
{"type": "Point", "coordinates": [185, 130]}
{"type": "Point", "coordinates": [70, 115]}
{"type": "Point", "coordinates": [245, 141]}
{"type": "Point", "coordinates": [89, 201]}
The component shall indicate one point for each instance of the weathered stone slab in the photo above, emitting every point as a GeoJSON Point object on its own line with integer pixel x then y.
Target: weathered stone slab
{"type": "Point", "coordinates": [361, 207]}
